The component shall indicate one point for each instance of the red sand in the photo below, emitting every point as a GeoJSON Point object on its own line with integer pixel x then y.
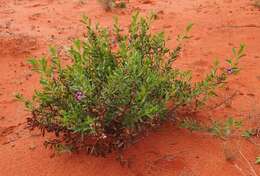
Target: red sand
{"type": "Point", "coordinates": [27, 28]}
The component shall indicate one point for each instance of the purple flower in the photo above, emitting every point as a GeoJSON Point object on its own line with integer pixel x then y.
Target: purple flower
{"type": "Point", "coordinates": [103, 136]}
{"type": "Point", "coordinates": [230, 70]}
{"type": "Point", "coordinates": [79, 95]}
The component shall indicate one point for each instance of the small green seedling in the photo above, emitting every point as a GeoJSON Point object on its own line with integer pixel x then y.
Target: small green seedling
{"type": "Point", "coordinates": [248, 133]}
{"type": "Point", "coordinates": [223, 130]}
{"type": "Point", "coordinates": [191, 124]}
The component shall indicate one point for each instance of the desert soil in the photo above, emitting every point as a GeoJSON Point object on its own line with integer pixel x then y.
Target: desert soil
{"type": "Point", "coordinates": [28, 27]}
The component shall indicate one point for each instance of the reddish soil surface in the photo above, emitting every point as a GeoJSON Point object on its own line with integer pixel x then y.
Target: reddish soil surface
{"type": "Point", "coordinates": [28, 27]}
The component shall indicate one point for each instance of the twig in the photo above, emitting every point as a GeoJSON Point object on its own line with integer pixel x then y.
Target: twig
{"type": "Point", "coordinates": [250, 166]}
{"type": "Point", "coordinates": [225, 101]}
{"type": "Point", "coordinates": [256, 144]}
{"type": "Point", "coordinates": [243, 26]}
{"type": "Point", "coordinates": [239, 168]}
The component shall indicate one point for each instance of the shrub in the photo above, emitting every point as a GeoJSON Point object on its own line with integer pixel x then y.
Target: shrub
{"type": "Point", "coordinates": [116, 87]}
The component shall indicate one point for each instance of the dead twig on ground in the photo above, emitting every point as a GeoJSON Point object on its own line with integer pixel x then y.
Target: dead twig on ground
{"type": "Point", "coordinates": [225, 101]}
{"type": "Point", "coordinates": [248, 163]}
{"type": "Point", "coordinates": [242, 26]}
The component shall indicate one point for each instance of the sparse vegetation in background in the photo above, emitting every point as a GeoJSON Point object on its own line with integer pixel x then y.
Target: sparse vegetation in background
{"type": "Point", "coordinates": [223, 130]}
{"type": "Point", "coordinates": [108, 5]}
{"type": "Point", "coordinates": [257, 3]}
{"type": "Point", "coordinates": [117, 87]}
{"type": "Point", "coordinates": [121, 4]}
{"type": "Point", "coordinates": [220, 129]}
{"type": "Point", "coordinates": [191, 124]}
{"type": "Point", "coordinates": [249, 134]}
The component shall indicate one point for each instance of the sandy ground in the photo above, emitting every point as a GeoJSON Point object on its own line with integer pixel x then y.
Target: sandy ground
{"type": "Point", "coordinates": [28, 27]}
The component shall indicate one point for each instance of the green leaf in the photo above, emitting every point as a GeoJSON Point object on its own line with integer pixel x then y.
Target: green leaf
{"type": "Point", "coordinates": [247, 134]}
{"type": "Point", "coordinates": [241, 49]}
{"type": "Point", "coordinates": [189, 27]}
